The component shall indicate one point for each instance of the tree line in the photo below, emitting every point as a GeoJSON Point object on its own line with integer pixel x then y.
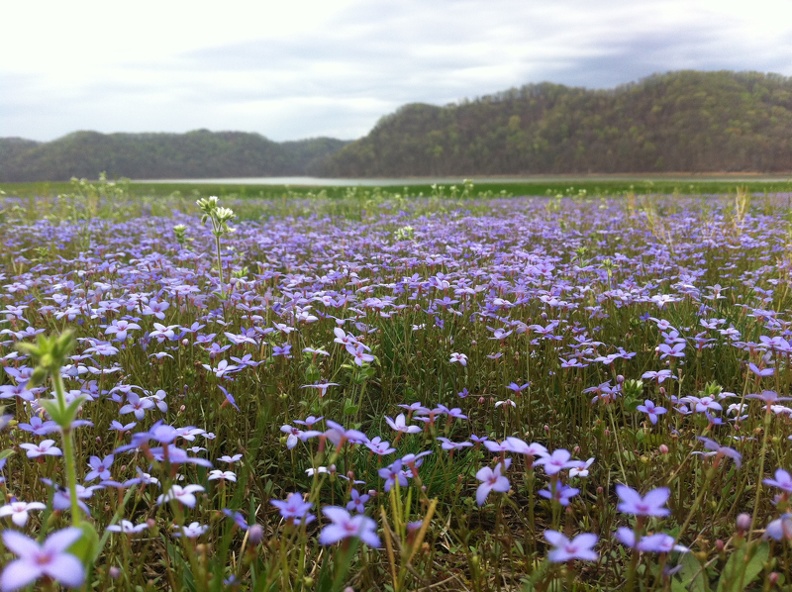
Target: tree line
{"type": "Point", "coordinates": [686, 121]}
{"type": "Point", "coordinates": [194, 155]}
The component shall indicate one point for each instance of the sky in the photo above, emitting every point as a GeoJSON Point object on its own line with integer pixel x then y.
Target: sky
{"type": "Point", "coordinates": [309, 68]}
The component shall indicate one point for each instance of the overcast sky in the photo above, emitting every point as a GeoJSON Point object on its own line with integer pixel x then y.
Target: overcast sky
{"type": "Point", "coordinates": [303, 68]}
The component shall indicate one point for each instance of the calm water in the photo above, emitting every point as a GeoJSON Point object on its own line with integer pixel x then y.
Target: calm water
{"type": "Point", "coordinates": [319, 182]}
{"type": "Point", "coordinates": [405, 181]}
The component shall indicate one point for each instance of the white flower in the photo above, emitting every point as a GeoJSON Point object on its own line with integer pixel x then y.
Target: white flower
{"type": "Point", "coordinates": [183, 495]}
{"type": "Point", "coordinates": [459, 358]}
{"type": "Point", "coordinates": [19, 511]}
{"type": "Point", "coordinates": [223, 475]}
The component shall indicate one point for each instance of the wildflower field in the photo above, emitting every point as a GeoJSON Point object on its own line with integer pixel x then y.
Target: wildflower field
{"type": "Point", "coordinates": [396, 393]}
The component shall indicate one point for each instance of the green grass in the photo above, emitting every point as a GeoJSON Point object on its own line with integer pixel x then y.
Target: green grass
{"type": "Point", "coordinates": [572, 185]}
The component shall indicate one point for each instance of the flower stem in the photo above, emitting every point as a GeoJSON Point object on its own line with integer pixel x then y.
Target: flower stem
{"type": "Point", "coordinates": [68, 450]}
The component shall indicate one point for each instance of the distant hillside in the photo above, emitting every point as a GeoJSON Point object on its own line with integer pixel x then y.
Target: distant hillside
{"type": "Point", "coordinates": [198, 154]}
{"type": "Point", "coordinates": [681, 121]}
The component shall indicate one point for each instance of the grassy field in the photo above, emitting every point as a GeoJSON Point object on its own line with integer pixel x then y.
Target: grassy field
{"type": "Point", "coordinates": [383, 391]}
{"type": "Point", "coordinates": [593, 185]}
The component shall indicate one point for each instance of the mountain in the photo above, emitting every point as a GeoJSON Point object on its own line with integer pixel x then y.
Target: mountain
{"type": "Point", "coordinates": [197, 154]}
{"type": "Point", "coordinates": [686, 121]}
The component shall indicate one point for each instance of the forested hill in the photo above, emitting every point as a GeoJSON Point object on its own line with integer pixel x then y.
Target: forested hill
{"type": "Point", "coordinates": [198, 154]}
{"type": "Point", "coordinates": [681, 121]}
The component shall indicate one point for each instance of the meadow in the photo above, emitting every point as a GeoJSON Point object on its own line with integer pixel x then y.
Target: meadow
{"type": "Point", "coordinates": [393, 390]}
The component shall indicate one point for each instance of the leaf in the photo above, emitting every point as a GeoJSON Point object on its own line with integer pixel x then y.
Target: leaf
{"type": "Point", "coordinates": [692, 577]}
{"type": "Point", "coordinates": [741, 566]}
{"type": "Point", "coordinates": [86, 548]}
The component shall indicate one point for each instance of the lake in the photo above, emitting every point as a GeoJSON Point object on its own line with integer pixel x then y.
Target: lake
{"type": "Point", "coordinates": [407, 181]}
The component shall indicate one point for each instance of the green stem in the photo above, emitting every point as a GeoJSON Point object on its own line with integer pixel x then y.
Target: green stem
{"type": "Point", "coordinates": [768, 417]}
{"type": "Point", "coordinates": [219, 262]}
{"type": "Point", "coordinates": [699, 498]}
{"type": "Point", "coordinates": [68, 450]}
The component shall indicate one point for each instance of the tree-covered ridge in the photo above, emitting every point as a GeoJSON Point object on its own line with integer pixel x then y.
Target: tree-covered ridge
{"type": "Point", "coordinates": [197, 154]}
{"type": "Point", "coordinates": [680, 121]}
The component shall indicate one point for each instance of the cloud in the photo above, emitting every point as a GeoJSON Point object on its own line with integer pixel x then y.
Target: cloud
{"type": "Point", "coordinates": [336, 68]}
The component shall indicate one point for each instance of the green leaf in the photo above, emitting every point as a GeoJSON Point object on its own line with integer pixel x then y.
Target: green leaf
{"type": "Point", "coordinates": [692, 577]}
{"type": "Point", "coordinates": [86, 548]}
{"type": "Point", "coordinates": [73, 408]}
{"type": "Point", "coordinates": [744, 565]}
{"type": "Point", "coordinates": [63, 417]}
{"type": "Point", "coordinates": [53, 409]}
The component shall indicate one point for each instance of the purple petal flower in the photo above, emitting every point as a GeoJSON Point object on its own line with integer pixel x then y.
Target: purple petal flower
{"type": "Point", "coordinates": [652, 504]}
{"type": "Point", "coordinates": [581, 547]}
{"type": "Point", "coordinates": [48, 559]}
{"type": "Point", "coordinates": [491, 480]}
{"type": "Point", "coordinates": [344, 526]}
{"type": "Point", "coordinates": [783, 480]}
{"type": "Point", "coordinates": [651, 410]}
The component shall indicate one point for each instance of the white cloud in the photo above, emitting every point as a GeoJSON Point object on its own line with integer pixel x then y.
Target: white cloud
{"type": "Point", "coordinates": [307, 68]}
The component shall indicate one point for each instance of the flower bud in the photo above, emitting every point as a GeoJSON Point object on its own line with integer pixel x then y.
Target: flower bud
{"type": "Point", "coordinates": [744, 522]}
{"type": "Point", "coordinates": [256, 534]}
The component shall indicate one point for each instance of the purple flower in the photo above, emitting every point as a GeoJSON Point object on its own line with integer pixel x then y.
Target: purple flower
{"type": "Point", "coordinates": [760, 372]}
{"type": "Point", "coordinates": [136, 405]}
{"type": "Point", "coordinates": [649, 505]}
{"type": "Point", "coordinates": [100, 468]}
{"type": "Point", "coordinates": [673, 351]}
{"type": "Point", "coordinates": [39, 427]}
{"type": "Point", "coordinates": [400, 425]}
{"type": "Point", "coordinates": [457, 358]}
{"type": "Point", "coordinates": [45, 448]}
{"type": "Point", "coordinates": [338, 434]}
{"type": "Point", "coordinates": [216, 474]}
{"type": "Point", "coordinates": [229, 398]}
{"type": "Point", "coordinates": [360, 355]}
{"type": "Point", "coordinates": [780, 529]}
{"type": "Point", "coordinates": [393, 474]}
{"type": "Point", "coordinates": [191, 531]}
{"type": "Point", "coordinates": [581, 547]}
{"type": "Point", "coordinates": [183, 495]}
{"type": "Point", "coordinates": [660, 376]}
{"type": "Point", "coordinates": [582, 468]}
{"type": "Point", "coordinates": [491, 480]}
{"type": "Point", "coordinates": [561, 493]}
{"type": "Point", "coordinates": [447, 444]}
{"type": "Point", "coordinates": [379, 446]}
{"type": "Point", "coordinates": [223, 368]}
{"type": "Point", "coordinates": [651, 410]}
{"type": "Point", "coordinates": [659, 543]}
{"type": "Point", "coordinates": [518, 388]}
{"type": "Point", "coordinates": [297, 435]}
{"type": "Point", "coordinates": [518, 446]}
{"type": "Point", "coordinates": [653, 543]}
{"type": "Point", "coordinates": [719, 451]}
{"type": "Point", "coordinates": [344, 526]}
{"type": "Point", "coordinates": [294, 509]}
{"type": "Point", "coordinates": [783, 480]}
{"type": "Point", "coordinates": [281, 350]}
{"type": "Point", "coordinates": [48, 559]}
{"type": "Point", "coordinates": [358, 502]}
{"type": "Point", "coordinates": [557, 461]}
{"type": "Point", "coordinates": [126, 527]}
